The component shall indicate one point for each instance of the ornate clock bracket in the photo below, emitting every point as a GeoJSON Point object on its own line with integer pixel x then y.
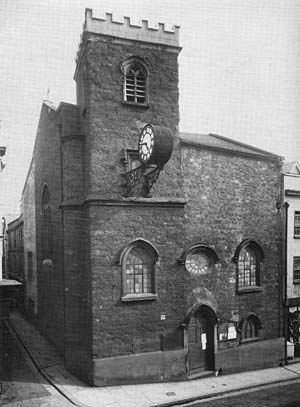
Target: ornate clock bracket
{"type": "Point", "coordinates": [149, 179]}
{"type": "Point", "coordinates": [155, 147]}
{"type": "Point", "coordinates": [142, 176]}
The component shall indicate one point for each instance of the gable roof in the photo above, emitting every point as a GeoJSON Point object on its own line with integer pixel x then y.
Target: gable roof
{"type": "Point", "coordinates": [216, 142]}
{"type": "Point", "coordinates": [49, 104]}
{"type": "Point", "coordinates": [291, 168]}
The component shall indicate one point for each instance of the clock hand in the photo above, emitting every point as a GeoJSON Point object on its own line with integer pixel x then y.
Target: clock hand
{"type": "Point", "coordinates": [145, 144]}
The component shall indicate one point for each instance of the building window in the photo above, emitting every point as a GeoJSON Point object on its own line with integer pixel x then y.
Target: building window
{"type": "Point", "coordinates": [250, 329]}
{"type": "Point", "coordinates": [297, 225]}
{"type": "Point", "coordinates": [138, 271]}
{"type": "Point", "coordinates": [248, 257]}
{"type": "Point", "coordinates": [47, 227]}
{"type": "Point", "coordinates": [199, 259]}
{"type": "Point", "coordinates": [135, 86]}
{"type": "Point", "coordinates": [296, 270]}
{"type": "Point", "coordinates": [247, 267]}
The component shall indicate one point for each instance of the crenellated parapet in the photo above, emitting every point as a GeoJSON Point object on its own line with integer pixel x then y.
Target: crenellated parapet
{"type": "Point", "coordinates": [108, 25]}
{"type": "Point", "coordinates": [125, 29]}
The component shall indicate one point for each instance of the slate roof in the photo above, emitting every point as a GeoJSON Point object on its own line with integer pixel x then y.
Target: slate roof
{"type": "Point", "coordinates": [216, 142]}
{"type": "Point", "coordinates": [291, 168]}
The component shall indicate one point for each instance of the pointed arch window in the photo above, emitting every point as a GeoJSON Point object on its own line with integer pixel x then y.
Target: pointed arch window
{"type": "Point", "coordinates": [47, 226]}
{"type": "Point", "coordinates": [248, 268]}
{"type": "Point", "coordinates": [138, 262]}
{"type": "Point", "coordinates": [135, 85]}
{"type": "Point", "coordinates": [248, 257]}
{"type": "Point", "coordinates": [250, 328]}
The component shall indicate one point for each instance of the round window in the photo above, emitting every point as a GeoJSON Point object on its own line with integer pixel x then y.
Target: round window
{"type": "Point", "coordinates": [198, 263]}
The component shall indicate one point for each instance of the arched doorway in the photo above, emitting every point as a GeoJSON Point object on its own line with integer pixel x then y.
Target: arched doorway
{"type": "Point", "coordinates": [201, 328]}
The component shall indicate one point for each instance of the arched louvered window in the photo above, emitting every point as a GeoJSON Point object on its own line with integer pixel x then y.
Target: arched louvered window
{"type": "Point", "coordinates": [47, 227]}
{"type": "Point", "coordinates": [135, 82]}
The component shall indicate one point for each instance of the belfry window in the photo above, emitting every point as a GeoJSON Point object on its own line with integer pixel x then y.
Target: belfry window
{"type": "Point", "coordinates": [135, 87]}
{"type": "Point", "coordinates": [47, 227]}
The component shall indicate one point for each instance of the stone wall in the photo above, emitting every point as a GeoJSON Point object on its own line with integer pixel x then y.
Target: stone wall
{"type": "Point", "coordinates": [231, 198]}
{"type": "Point", "coordinates": [50, 277]}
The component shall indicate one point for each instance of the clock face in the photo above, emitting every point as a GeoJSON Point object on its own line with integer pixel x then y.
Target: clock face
{"type": "Point", "coordinates": [146, 143]}
{"type": "Point", "coordinates": [197, 263]}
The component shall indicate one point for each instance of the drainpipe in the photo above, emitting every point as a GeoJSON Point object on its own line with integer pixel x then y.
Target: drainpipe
{"type": "Point", "coordinates": [285, 308]}
{"type": "Point", "coordinates": [60, 130]}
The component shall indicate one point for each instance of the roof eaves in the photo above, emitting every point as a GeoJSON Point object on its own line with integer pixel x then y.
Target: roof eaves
{"type": "Point", "coordinates": [239, 143]}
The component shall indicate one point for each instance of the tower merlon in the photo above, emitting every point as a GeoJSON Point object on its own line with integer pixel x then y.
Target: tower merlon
{"type": "Point", "coordinates": [108, 25]}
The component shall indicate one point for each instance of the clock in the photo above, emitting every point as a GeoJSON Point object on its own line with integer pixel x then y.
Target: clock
{"type": "Point", "coordinates": [146, 143]}
{"type": "Point", "coordinates": [197, 263]}
{"type": "Point", "coordinates": [155, 145]}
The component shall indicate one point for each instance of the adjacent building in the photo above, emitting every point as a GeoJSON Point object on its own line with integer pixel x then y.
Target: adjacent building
{"type": "Point", "coordinates": [291, 175]}
{"type": "Point", "coordinates": [150, 255]}
{"type": "Point", "coordinates": [2, 154]}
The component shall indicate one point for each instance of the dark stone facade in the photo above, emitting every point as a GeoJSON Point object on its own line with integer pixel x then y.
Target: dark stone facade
{"type": "Point", "coordinates": [215, 194]}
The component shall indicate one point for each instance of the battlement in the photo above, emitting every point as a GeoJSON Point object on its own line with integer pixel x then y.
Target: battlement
{"type": "Point", "coordinates": [108, 25]}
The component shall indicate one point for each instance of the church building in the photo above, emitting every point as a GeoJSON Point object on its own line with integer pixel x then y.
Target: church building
{"type": "Point", "coordinates": [154, 255]}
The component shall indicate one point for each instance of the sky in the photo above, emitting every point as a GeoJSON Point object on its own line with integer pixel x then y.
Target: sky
{"type": "Point", "coordinates": [239, 70]}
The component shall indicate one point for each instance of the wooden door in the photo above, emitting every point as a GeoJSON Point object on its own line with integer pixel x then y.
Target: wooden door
{"type": "Point", "coordinates": [201, 343]}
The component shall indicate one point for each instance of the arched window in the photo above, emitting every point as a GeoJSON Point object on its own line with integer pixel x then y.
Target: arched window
{"type": "Point", "coordinates": [248, 257]}
{"type": "Point", "coordinates": [47, 227]}
{"type": "Point", "coordinates": [247, 267]}
{"type": "Point", "coordinates": [138, 271]}
{"type": "Point", "coordinates": [135, 86]}
{"type": "Point", "coordinates": [250, 328]}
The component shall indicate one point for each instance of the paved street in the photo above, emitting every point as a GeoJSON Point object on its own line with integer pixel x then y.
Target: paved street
{"type": "Point", "coordinates": [22, 385]}
{"type": "Point", "coordinates": [25, 386]}
{"type": "Point", "coordinates": [279, 395]}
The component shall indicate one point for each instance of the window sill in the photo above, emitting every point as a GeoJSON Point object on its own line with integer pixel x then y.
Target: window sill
{"type": "Point", "coordinates": [139, 297]}
{"type": "Point", "coordinates": [250, 289]}
{"type": "Point", "coordinates": [145, 105]}
{"type": "Point", "coordinates": [296, 281]}
{"type": "Point", "coordinates": [250, 340]}
{"type": "Point", "coordinates": [296, 236]}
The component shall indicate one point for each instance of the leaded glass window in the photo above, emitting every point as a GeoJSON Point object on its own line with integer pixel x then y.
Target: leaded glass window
{"type": "Point", "coordinates": [247, 267]}
{"type": "Point", "coordinates": [139, 271]}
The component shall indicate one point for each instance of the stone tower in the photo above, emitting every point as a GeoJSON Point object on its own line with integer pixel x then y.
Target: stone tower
{"type": "Point", "coordinates": [127, 77]}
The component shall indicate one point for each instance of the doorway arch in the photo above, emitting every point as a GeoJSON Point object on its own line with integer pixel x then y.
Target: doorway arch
{"type": "Point", "coordinates": [201, 322]}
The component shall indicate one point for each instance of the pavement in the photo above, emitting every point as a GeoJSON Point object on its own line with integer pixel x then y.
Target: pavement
{"type": "Point", "coordinates": [51, 366]}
